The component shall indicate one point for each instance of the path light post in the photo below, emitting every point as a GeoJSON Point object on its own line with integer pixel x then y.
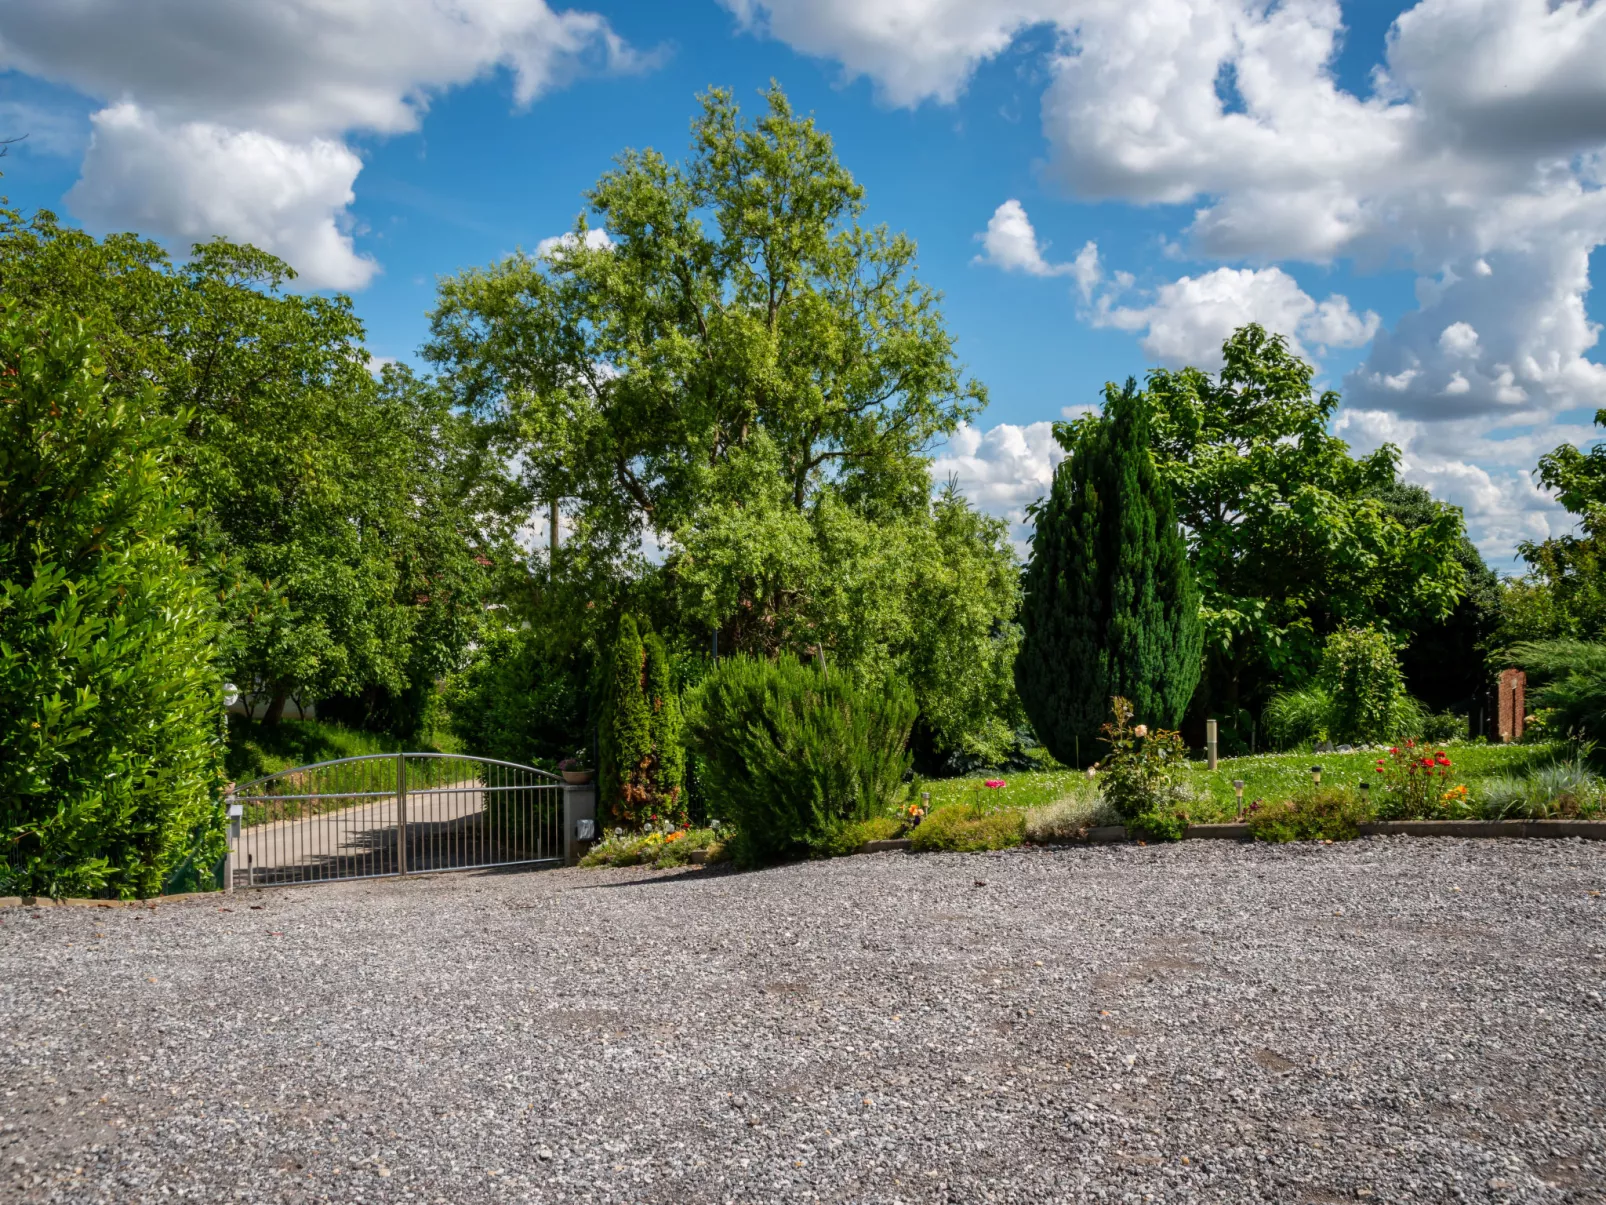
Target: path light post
{"type": "Point", "coordinates": [1210, 745]}
{"type": "Point", "coordinates": [1315, 776]}
{"type": "Point", "coordinates": [1366, 796]}
{"type": "Point", "coordinates": [1238, 789]}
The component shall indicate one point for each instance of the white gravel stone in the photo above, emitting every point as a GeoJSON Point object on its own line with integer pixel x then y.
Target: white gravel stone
{"type": "Point", "coordinates": [1201, 1022]}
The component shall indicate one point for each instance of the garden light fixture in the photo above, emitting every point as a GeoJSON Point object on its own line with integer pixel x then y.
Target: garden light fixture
{"type": "Point", "coordinates": [1315, 776]}
{"type": "Point", "coordinates": [1238, 790]}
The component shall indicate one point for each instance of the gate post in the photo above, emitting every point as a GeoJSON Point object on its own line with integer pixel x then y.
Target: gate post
{"type": "Point", "coordinates": [401, 813]}
{"type": "Point", "coordinates": [579, 804]}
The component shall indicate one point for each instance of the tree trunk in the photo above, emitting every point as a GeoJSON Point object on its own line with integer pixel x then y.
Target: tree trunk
{"type": "Point", "coordinates": [275, 711]}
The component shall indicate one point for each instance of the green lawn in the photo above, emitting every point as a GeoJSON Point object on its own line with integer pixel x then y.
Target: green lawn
{"type": "Point", "coordinates": [1269, 776]}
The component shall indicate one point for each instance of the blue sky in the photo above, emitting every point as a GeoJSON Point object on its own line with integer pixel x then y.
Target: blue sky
{"type": "Point", "coordinates": [1175, 166]}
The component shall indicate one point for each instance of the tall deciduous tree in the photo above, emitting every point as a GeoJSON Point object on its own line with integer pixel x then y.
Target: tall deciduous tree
{"type": "Point", "coordinates": [729, 363]}
{"type": "Point", "coordinates": [1288, 537]}
{"type": "Point", "coordinates": [1110, 604]}
{"type": "Point", "coordinates": [338, 515]}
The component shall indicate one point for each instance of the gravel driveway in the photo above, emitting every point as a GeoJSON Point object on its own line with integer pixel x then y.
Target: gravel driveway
{"type": "Point", "coordinates": [1388, 1020]}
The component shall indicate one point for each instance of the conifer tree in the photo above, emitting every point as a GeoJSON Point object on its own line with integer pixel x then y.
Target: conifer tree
{"type": "Point", "coordinates": [665, 724]}
{"type": "Point", "coordinates": [643, 761]}
{"type": "Point", "coordinates": [1110, 604]}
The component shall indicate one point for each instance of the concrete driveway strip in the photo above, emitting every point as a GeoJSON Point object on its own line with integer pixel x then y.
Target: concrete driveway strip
{"type": "Point", "coordinates": [1393, 1019]}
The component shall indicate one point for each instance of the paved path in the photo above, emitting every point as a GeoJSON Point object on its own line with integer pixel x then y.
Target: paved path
{"type": "Point", "coordinates": [1389, 1020]}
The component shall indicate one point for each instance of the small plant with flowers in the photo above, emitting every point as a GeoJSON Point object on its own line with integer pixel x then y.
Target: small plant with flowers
{"type": "Point", "coordinates": [1416, 782]}
{"type": "Point", "coordinates": [1141, 775]}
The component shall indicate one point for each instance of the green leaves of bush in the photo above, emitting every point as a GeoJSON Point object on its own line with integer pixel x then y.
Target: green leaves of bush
{"type": "Point", "coordinates": [793, 756]}
{"type": "Point", "coordinates": [110, 702]}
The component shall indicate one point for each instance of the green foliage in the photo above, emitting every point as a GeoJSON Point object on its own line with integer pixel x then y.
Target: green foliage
{"type": "Point", "coordinates": [1110, 606]}
{"type": "Point", "coordinates": [1289, 538]}
{"type": "Point", "coordinates": [522, 697]}
{"type": "Point", "coordinates": [110, 700]}
{"type": "Point", "coordinates": [660, 847]}
{"type": "Point", "coordinates": [1297, 718]}
{"type": "Point", "coordinates": [1443, 659]}
{"type": "Point", "coordinates": [255, 749]}
{"type": "Point", "coordinates": [959, 830]}
{"type": "Point", "coordinates": [1569, 677]}
{"type": "Point", "coordinates": [1140, 776]}
{"type": "Point", "coordinates": [1569, 571]}
{"type": "Point", "coordinates": [1361, 676]}
{"type": "Point", "coordinates": [1325, 814]}
{"type": "Point", "coordinates": [344, 522]}
{"type": "Point", "coordinates": [793, 755]}
{"type": "Point", "coordinates": [1436, 727]}
{"type": "Point", "coordinates": [849, 838]}
{"type": "Point", "coordinates": [753, 378]}
{"type": "Point", "coordinates": [665, 731]}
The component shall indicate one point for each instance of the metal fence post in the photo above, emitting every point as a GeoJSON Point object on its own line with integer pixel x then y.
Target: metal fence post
{"type": "Point", "coordinates": [579, 804]}
{"type": "Point", "coordinates": [401, 813]}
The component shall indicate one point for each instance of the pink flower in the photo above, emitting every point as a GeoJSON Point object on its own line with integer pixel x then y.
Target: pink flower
{"type": "Point", "coordinates": [1141, 730]}
{"type": "Point", "coordinates": [994, 783]}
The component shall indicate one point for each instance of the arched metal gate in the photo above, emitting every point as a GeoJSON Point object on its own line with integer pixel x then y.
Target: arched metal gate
{"type": "Point", "coordinates": [400, 813]}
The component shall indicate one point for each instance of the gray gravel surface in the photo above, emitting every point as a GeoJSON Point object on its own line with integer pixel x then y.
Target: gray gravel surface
{"type": "Point", "coordinates": [1393, 1020]}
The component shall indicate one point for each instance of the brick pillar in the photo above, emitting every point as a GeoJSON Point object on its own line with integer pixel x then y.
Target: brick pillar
{"type": "Point", "coordinates": [1513, 701]}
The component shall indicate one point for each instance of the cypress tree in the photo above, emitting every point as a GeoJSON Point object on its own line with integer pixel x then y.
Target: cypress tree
{"type": "Point", "coordinates": [664, 726]}
{"type": "Point", "coordinates": [1110, 606]}
{"type": "Point", "coordinates": [641, 750]}
{"type": "Point", "coordinates": [625, 737]}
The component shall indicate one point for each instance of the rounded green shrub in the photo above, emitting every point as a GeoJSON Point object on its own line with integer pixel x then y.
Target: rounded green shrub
{"type": "Point", "coordinates": [1361, 676]}
{"type": "Point", "coordinates": [792, 756]}
{"type": "Point", "coordinates": [958, 829]}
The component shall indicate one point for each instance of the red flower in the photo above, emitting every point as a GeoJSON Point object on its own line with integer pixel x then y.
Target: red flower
{"type": "Point", "coordinates": [993, 783]}
{"type": "Point", "coordinates": [1392, 749]}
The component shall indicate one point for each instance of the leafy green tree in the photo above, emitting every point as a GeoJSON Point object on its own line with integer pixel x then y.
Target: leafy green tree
{"type": "Point", "coordinates": [1570, 570]}
{"type": "Point", "coordinates": [1444, 659]}
{"type": "Point", "coordinates": [744, 373]}
{"type": "Point", "coordinates": [110, 696]}
{"type": "Point", "coordinates": [339, 516]}
{"type": "Point", "coordinates": [1110, 607]}
{"type": "Point", "coordinates": [1288, 538]}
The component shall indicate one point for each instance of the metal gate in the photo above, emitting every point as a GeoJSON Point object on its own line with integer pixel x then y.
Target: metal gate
{"type": "Point", "coordinates": [393, 814]}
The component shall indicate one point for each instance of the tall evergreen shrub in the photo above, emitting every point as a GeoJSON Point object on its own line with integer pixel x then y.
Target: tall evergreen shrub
{"type": "Point", "coordinates": [793, 756]}
{"type": "Point", "coordinates": [110, 702]}
{"type": "Point", "coordinates": [1110, 604]}
{"type": "Point", "coordinates": [642, 760]}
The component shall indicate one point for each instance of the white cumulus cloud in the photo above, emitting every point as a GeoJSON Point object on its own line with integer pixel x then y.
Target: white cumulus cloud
{"type": "Point", "coordinates": [1188, 319]}
{"type": "Point", "coordinates": [228, 117]}
{"type": "Point", "coordinates": [1010, 243]}
{"type": "Point", "coordinates": [1002, 470]}
{"type": "Point", "coordinates": [1477, 158]}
